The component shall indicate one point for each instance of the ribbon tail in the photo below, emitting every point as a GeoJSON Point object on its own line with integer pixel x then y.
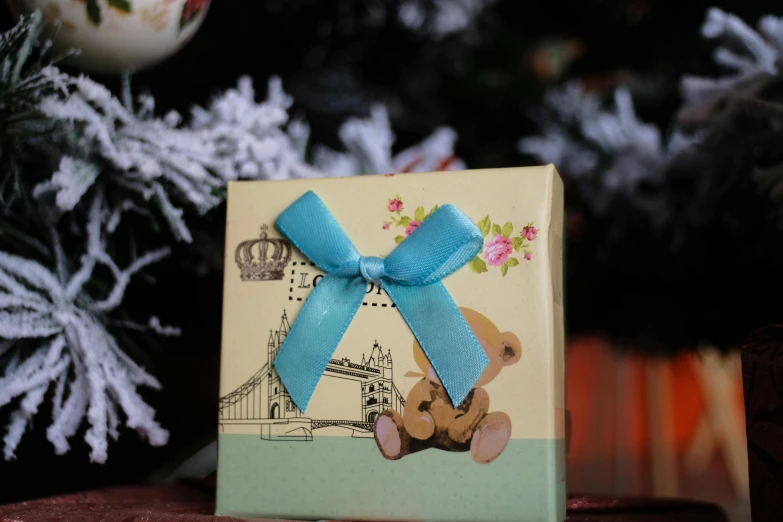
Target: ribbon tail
{"type": "Point", "coordinates": [443, 333]}
{"type": "Point", "coordinates": [316, 332]}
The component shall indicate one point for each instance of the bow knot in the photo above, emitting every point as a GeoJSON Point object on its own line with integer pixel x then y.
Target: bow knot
{"type": "Point", "coordinates": [411, 276]}
{"type": "Point", "coordinates": [372, 268]}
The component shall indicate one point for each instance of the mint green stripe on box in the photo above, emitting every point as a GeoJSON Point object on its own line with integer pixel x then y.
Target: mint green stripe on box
{"type": "Point", "coordinates": [347, 478]}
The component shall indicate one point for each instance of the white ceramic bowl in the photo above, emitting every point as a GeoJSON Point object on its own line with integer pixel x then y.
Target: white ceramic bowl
{"type": "Point", "coordinates": [119, 35]}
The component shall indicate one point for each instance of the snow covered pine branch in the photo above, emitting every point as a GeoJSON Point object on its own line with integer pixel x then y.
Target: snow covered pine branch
{"type": "Point", "coordinates": [160, 164]}
{"type": "Point", "coordinates": [757, 55]}
{"type": "Point", "coordinates": [742, 106]}
{"type": "Point", "coordinates": [149, 160]}
{"type": "Point", "coordinates": [607, 152]}
{"type": "Point", "coordinates": [369, 141]}
{"type": "Point", "coordinates": [55, 337]}
{"type": "Point", "coordinates": [441, 18]}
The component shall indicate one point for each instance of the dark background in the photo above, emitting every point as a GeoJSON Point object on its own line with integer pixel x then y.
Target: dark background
{"type": "Point", "coordinates": [337, 60]}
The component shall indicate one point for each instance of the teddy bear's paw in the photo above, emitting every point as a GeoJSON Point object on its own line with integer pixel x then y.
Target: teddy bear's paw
{"type": "Point", "coordinates": [389, 435]}
{"type": "Point", "coordinates": [491, 437]}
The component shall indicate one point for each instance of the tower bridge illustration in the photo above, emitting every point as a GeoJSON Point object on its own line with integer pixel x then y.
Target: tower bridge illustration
{"type": "Point", "coordinates": [263, 400]}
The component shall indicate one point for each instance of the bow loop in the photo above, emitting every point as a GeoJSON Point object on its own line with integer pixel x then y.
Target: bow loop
{"type": "Point", "coordinates": [410, 275]}
{"type": "Point", "coordinates": [440, 245]}
{"type": "Point", "coordinates": [314, 231]}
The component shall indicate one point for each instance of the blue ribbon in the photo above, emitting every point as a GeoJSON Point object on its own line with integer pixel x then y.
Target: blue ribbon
{"type": "Point", "coordinates": [411, 276]}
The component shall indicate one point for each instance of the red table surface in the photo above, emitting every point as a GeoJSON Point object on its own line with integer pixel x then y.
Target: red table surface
{"type": "Point", "coordinates": [195, 502]}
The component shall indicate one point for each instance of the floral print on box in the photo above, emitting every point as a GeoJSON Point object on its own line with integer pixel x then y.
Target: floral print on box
{"type": "Point", "coordinates": [396, 206]}
{"type": "Point", "coordinates": [498, 251]}
{"type": "Point", "coordinates": [500, 243]}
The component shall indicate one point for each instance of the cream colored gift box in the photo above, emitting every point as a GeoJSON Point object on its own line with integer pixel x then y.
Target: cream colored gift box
{"type": "Point", "coordinates": [380, 440]}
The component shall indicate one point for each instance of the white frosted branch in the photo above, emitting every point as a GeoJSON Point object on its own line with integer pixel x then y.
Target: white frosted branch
{"type": "Point", "coordinates": [71, 181]}
{"type": "Point", "coordinates": [20, 420]}
{"type": "Point", "coordinates": [732, 60]}
{"type": "Point", "coordinates": [59, 392]}
{"type": "Point", "coordinates": [17, 387]}
{"type": "Point", "coordinates": [60, 80]}
{"type": "Point", "coordinates": [772, 28]}
{"type": "Point", "coordinates": [155, 326]}
{"type": "Point", "coordinates": [80, 278]}
{"type": "Point", "coordinates": [722, 24]}
{"type": "Point", "coordinates": [27, 325]}
{"type": "Point", "coordinates": [582, 134]}
{"type": "Point", "coordinates": [8, 301]}
{"type": "Point", "coordinates": [435, 153]}
{"type": "Point", "coordinates": [116, 215]}
{"type": "Point", "coordinates": [370, 141]}
{"type": "Point", "coordinates": [759, 54]}
{"type": "Point", "coordinates": [172, 214]}
{"type": "Point", "coordinates": [12, 285]}
{"type": "Point", "coordinates": [84, 335]}
{"type": "Point", "coordinates": [120, 362]}
{"type": "Point", "coordinates": [697, 89]}
{"type": "Point", "coordinates": [141, 416]}
{"type": "Point", "coordinates": [67, 421]}
{"type": "Point", "coordinates": [31, 273]}
{"type": "Point", "coordinates": [440, 18]}
{"type": "Point", "coordinates": [335, 163]}
{"type": "Point", "coordinates": [102, 98]}
{"type": "Point", "coordinates": [114, 420]}
{"type": "Point", "coordinates": [123, 278]}
{"type": "Point", "coordinates": [75, 109]}
{"type": "Point", "coordinates": [101, 369]}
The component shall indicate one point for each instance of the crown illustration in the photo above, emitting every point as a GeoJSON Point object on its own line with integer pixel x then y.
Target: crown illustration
{"type": "Point", "coordinates": [262, 259]}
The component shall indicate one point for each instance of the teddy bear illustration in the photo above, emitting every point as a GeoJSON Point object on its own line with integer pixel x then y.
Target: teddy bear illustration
{"type": "Point", "coordinates": [430, 420]}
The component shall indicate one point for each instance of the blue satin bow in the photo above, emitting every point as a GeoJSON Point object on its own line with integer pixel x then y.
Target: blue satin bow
{"type": "Point", "coordinates": [411, 275]}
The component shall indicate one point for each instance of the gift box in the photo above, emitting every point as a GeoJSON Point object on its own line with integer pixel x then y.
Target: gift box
{"type": "Point", "coordinates": [358, 311]}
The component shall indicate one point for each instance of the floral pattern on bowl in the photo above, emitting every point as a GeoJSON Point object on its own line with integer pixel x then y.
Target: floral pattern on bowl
{"type": "Point", "coordinates": [190, 9]}
{"type": "Point", "coordinates": [115, 36]}
{"type": "Point", "coordinates": [500, 243]}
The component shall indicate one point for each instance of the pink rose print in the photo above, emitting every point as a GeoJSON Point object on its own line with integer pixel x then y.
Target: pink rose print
{"type": "Point", "coordinates": [504, 247]}
{"type": "Point", "coordinates": [497, 251]}
{"type": "Point", "coordinates": [395, 205]}
{"type": "Point", "coordinates": [193, 6]}
{"type": "Point", "coordinates": [412, 226]}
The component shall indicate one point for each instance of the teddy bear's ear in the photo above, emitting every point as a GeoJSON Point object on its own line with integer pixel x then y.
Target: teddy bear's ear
{"type": "Point", "coordinates": [510, 348]}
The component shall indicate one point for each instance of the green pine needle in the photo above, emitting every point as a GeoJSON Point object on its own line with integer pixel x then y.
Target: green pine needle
{"type": "Point", "coordinates": [23, 84]}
